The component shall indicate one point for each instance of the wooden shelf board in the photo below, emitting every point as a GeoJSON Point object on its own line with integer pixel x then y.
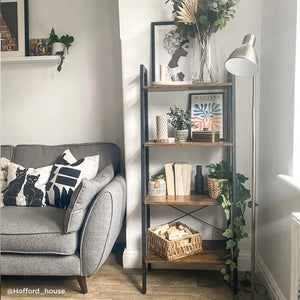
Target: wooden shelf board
{"type": "Point", "coordinates": [192, 199]}
{"type": "Point", "coordinates": [44, 58]}
{"type": "Point", "coordinates": [188, 144]}
{"type": "Point", "coordinates": [213, 254]}
{"type": "Point", "coordinates": [187, 86]}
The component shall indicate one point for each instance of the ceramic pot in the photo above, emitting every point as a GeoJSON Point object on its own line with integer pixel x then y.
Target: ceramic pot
{"type": "Point", "coordinates": [58, 48]}
{"type": "Point", "coordinates": [182, 135]}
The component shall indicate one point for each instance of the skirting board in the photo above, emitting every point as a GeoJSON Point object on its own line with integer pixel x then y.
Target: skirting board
{"type": "Point", "coordinates": [132, 259]}
{"type": "Point", "coordinates": [272, 286]}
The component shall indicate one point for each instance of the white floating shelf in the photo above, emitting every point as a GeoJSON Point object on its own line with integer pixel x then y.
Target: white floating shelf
{"type": "Point", "coordinates": [30, 59]}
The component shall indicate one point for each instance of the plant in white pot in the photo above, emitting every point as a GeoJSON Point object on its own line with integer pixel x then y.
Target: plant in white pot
{"type": "Point", "coordinates": [181, 120]}
{"type": "Point", "coordinates": [59, 45]}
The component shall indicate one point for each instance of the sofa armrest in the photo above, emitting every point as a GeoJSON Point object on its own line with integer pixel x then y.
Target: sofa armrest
{"type": "Point", "coordinates": [102, 226]}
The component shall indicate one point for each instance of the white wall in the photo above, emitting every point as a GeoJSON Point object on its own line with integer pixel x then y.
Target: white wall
{"type": "Point", "coordinates": [135, 19]}
{"type": "Point", "coordinates": [276, 197]}
{"type": "Point", "coordinates": [82, 103]}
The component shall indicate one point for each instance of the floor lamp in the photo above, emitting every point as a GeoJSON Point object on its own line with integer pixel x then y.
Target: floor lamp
{"type": "Point", "coordinates": [243, 62]}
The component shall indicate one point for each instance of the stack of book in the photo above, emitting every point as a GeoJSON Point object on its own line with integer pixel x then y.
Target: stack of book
{"type": "Point", "coordinates": [178, 178]}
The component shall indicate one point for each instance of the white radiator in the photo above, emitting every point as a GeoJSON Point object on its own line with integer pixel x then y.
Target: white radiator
{"type": "Point", "coordinates": [295, 276]}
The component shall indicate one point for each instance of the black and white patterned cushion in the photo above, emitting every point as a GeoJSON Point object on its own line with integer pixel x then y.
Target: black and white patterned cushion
{"type": "Point", "coordinates": [66, 175]}
{"type": "Point", "coordinates": [26, 186]}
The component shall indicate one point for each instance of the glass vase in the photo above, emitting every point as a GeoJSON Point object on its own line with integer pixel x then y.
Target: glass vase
{"type": "Point", "coordinates": [204, 60]}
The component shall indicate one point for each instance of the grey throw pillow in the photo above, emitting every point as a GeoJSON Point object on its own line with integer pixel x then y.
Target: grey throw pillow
{"type": "Point", "coordinates": [83, 196]}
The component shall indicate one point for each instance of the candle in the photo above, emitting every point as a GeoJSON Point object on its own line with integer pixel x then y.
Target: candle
{"type": "Point", "coordinates": [162, 73]}
{"type": "Point", "coordinates": [162, 127]}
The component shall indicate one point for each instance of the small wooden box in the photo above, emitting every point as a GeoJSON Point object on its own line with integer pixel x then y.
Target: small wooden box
{"type": "Point", "coordinates": [206, 136]}
{"type": "Point", "coordinates": [175, 249]}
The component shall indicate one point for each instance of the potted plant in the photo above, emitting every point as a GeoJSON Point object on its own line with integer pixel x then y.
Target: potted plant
{"type": "Point", "coordinates": [59, 45]}
{"type": "Point", "coordinates": [157, 184]}
{"type": "Point", "coordinates": [218, 174]}
{"type": "Point", "coordinates": [182, 121]}
{"type": "Point", "coordinates": [200, 19]}
{"type": "Point", "coordinates": [235, 222]}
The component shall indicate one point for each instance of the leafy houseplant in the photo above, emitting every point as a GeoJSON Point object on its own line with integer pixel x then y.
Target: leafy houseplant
{"type": "Point", "coordinates": [234, 231]}
{"type": "Point", "coordinates": [65, 41]}
{"type": "Point", "coordinates": [181, 120]}
{"type": "Point", "coordinates": [200, 19]}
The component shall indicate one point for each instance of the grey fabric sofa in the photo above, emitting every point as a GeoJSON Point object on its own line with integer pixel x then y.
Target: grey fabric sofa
{"type": "Point", "coordinates": [32, 238]}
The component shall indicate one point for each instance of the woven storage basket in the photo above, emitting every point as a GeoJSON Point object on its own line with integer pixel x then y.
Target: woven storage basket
{"type": "Point", "coordinates": [214, 188]}
{"type": "Point", "coordinates": [178, 248]}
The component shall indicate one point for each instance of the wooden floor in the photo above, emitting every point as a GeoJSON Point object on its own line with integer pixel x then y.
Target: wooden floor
{"type": "Point", "coordinates": [114, 282]}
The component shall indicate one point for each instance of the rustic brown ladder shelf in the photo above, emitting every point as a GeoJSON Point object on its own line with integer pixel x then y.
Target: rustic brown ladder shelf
{"type": "Point", "coordinates": [214, 251]}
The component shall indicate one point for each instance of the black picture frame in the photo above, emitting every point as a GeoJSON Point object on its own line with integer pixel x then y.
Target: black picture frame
{"type": "Point", "coordinates": [15, 40]}
{"type": "Point", "coordinates": [153, 25]}
{"type": "Point", "coordinates": [210, 117]}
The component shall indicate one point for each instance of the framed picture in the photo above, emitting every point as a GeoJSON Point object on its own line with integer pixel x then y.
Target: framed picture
{"type": "Point", "coordinates": [207, 111]}
{"type": "Point", "coordinates": [40, 47]}
{"type": "Point", "coordinates": [14, 28]}
{"type": "Point", "coordinates": [171, 50]}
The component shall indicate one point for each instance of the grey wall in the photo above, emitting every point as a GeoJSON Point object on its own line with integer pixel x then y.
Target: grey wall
{"type": "Point", "coordinates": [277, 198]}
{"type": "Point", "coordinates": [82, 103]}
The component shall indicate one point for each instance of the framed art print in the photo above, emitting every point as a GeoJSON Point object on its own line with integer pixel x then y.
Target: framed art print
{"type": "Point", "coordinates": [14, 28]}
{"type": "Point", "coordinates": [172, 50]}
{"type": "Point", "coordinates": [207, 111]}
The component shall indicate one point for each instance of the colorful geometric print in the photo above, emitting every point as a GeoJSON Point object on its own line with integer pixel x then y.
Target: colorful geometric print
{"type": "Point", "coordinates": [208, 115]}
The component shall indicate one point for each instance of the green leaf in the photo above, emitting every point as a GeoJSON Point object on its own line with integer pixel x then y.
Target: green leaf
{"type": "Point", "coordinates": [203, 19]}
{"type": "Point", "coordinates": [228, 261]}
{"type": "Point", "coordinates": [223, 271]}
{"type": "Point", "coordinates": [238, 221]}
{"type": "Point", "coordinates": [230, 244]}
{"type": "Point", "coordinates": [228, 233]}
{"type": "Point", "coordinates": [226, 277]}
{"type": "Point", "coordinates": [227, 213]}
{"type": "Point", "coordinates": [233, 266]}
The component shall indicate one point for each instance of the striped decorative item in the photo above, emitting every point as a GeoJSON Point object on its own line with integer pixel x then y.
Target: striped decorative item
{"type": "Point", "coordinates": [162, 127]}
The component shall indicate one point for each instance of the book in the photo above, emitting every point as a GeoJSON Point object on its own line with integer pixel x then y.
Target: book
{"type": "Point", "coordinates": [169, 171]}
{"type": "Point", "coordinates": [183, 173]}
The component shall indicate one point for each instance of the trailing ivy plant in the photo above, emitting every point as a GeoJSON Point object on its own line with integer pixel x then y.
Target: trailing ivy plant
{"type": "Point", "coordinates": [234, 231]}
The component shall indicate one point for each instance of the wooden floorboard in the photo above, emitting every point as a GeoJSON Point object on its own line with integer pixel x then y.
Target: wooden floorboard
{"type": "Point", "coordinates": [114, 282]}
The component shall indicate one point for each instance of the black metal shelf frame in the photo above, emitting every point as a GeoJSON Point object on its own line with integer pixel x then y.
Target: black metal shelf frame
{"type": "Point", "coordinates": [230, 156]}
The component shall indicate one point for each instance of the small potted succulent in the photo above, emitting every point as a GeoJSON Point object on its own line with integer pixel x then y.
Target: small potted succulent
{"type": "Point", "coordinates": [59, 45]}
{"type": "Point", "coordinates": [181, 120]}
{"type": "Point", "coordinates": [157, 184]}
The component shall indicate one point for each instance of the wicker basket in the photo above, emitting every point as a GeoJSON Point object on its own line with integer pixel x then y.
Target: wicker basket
{"type": "Point", "coordinates": [178, 248]}
{"type": "Point", "coordinates": [214, 188]}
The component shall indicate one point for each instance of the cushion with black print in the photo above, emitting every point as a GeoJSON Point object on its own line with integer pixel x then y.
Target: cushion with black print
{"type": "Point", "coordinates": [66, 175]}
{"type": "Point", "coordinates": [26, 186]}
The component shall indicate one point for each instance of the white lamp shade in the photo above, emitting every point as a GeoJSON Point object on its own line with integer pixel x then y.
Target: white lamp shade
{"type": "Point", "coordinates": [243, 61]}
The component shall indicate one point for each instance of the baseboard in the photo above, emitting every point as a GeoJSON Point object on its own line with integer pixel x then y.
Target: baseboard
{"type": "Point", "coordinates": [244, 262]}
{"type": "Point", "coordinates": [132, 259]}
{"type": "Point", "coordinates": [272, 286]}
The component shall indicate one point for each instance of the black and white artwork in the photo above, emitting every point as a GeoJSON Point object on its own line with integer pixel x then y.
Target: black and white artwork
{"type": "Point", "coordinates": [171, 50]}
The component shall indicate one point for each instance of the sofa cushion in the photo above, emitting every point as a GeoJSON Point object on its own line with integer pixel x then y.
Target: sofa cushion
{"type": "Point", "coordinates": [26, 186]}
{"type": "Point", "coordinates": [35, 230]}
{"type": "Point", "coordinates": [3, 177]}
{"type": "Point", "coordinates": [83, 196]}
{"type": "Point", "coordinates": [37, 156]}
{"type": "Point", "coordinates": [66, 175]}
